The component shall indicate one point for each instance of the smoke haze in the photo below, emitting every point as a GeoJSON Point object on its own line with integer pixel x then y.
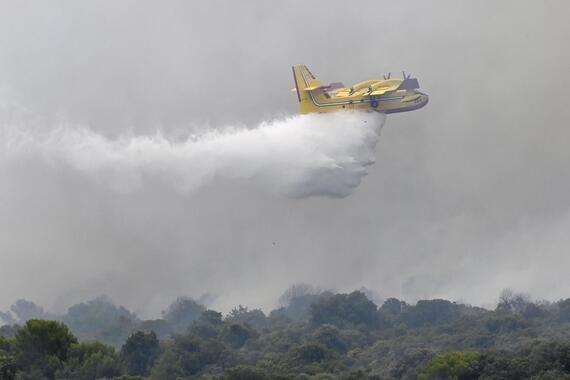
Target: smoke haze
{"type": "Point", "coordinates": [104, 105]}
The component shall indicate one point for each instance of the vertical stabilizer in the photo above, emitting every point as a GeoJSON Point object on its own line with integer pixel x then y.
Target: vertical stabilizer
{"type": "Point", "coordinates": [308, 89]}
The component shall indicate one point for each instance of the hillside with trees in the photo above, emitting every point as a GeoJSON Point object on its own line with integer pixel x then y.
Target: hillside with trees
{"type": "Point", "coordinates": [313, 335]}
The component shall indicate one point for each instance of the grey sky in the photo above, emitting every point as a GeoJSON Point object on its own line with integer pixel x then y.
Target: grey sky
{"type": "Point", "coordinates": [468, 196]}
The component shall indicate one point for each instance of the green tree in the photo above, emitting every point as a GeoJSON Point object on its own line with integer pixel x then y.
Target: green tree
{"type": "Point", "coordinates": [564, 310]}
{"type": "Point", "coordinates": [533, 311]}
{"type": "Point", "coordinates": [552, 355]}
{"type": "Point", "coordinates": [345, 310]}
{"type": "Point", "coordinates": [128, 377]}
{"type": "Point", "coordinates": [236, 335]}
{"type": "Point", "coordinates": [430, 312]}
{"type": "Point", "coordinates": [208, 326]}
{"type": "Point", "coordinates": [296, 302]}
{"type": "Point", "coordinates": [243, 372]}
{"type": "Point", "coordinates": [505, 323]}
{"type": "Point", "coordinates": [254, 318]}
{"type": "Point", "coordinates": [5, 344]}
{"type": "Point", "coordinates": [310, 353]}
{"type": "Point", "coordinates": [330, 337]}
{"type": "Point", "coordinates": [42, 346]}
{"type": "Point", "coordinates": [453, 366]}
{"type": "Point", "coordinates": [167, 367]}
{"type": "Point", "coordinates": [393, 307]}
{"type": "Point", "coordinates": [7, 366]}
{"type": "Point", "coordinates": [91, 361]}
{"type": "Point", "coordinates": [139, 352]}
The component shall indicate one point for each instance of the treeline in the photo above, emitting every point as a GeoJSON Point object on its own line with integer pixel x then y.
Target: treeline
{"type": "Point", "coordinates": [315, 335]}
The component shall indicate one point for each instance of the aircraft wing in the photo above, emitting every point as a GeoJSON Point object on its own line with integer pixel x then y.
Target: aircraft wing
{"type": "Point", "coordinates": [381, 90]}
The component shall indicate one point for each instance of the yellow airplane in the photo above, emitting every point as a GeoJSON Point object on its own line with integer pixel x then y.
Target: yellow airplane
{"type": "Point", "coordinates": [382, 95]}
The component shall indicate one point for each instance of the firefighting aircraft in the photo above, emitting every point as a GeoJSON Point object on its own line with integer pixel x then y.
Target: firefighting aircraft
{"type": "Point", "coordinates": [383, 95]}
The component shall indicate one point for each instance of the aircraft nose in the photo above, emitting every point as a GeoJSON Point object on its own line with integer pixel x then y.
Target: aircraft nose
{"type": "Point", "coordinates": [424, 99]}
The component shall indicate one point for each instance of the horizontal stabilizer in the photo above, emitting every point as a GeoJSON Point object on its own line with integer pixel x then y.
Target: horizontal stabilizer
{"type": "Point", "coordinates": [314, 87]}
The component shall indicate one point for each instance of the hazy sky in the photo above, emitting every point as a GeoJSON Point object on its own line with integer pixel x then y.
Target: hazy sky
{"type": "Point", "coordinates": [468, 195]}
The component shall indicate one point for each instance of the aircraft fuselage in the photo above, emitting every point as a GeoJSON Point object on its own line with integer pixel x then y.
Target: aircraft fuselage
{"type": "Point", "coordinates": [383, 95]}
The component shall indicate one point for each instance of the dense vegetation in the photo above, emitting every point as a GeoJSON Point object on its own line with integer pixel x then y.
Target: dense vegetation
{"type": "Point", "coordinates": [314, 335]}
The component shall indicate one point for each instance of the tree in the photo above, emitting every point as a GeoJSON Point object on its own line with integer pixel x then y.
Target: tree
{"type": "Point", "coordinates": [407, 363]}
{"type": "Point", "coordinates": [453, 366]}
{"type": "Point", "coordinates": [212, 317]}
{"type": "Point", "coordinates": [140, 352]}
{"type": "Point", "coordinates": [100, 319]}
{"type": "Point", "coordinates": [90, 361]}
{"type": "Point", "coordinates": [254, 318]}
{"type": "Point", "coordinates": [208, 326]}
{"type": "Point", "coordinates": [501, 324]}
{"type": "Point", "coordinates": [295, 291]}
{"type": "Point", "coordinates": [191, 354]}
{"type": "Point", "coordinates": [182, 313]}
{"type": "Point", "coordinates": [564, 310]}
{"type": "Point", "coordinates": [296, 302]}
{"type": "Point", "coordinates": [430, 312]}
{"type": "Point", "coordinates": [393, 307]}
{"type": "Point", "coordinates": [42, 346]}
{"type": "Point", "coordinates": [168, 367]}
{"type": "Point", "coordinates": [553, 355]}
{"type": "Point", "coordinates": [344, 310]}
{"type": "Point", "coordinates": [512, 302]}
{"type": "Point", "coordinates": [533, 311]}
{"type": "Point", "coordinates": [5, 344]}
{"type": "Point", "coordinates": [330, 337]}
{"type": "Point", "coordinates": [310, 353]}
{"type": "Point", "coordinates": [7, 361]}
{"type": "Point", "coordinates": [372, 295]}
{"type": "Point", "coordinates": [8, 367]}
{"type": "Point", "coordinates": [243, 372]}
{"type": "Point", "coordinates": [237, 334]}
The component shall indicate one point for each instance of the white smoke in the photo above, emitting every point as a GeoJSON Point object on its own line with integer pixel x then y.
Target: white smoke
{"type": "Point", "coordinates": [299, 156]}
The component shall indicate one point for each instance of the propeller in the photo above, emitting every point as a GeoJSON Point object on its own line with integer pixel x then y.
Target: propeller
{"type": "Point", "coordinates": [388, 76]}
{"type": "Point", "coordinates": [406, 76]}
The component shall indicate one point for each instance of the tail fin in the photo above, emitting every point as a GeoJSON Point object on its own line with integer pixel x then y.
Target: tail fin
{"type": "Point", "coordinates": [305, 84]}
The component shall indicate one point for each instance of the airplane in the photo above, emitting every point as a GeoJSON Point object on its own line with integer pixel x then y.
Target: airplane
{"type": "Point", "coordinates": [382, 95]}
